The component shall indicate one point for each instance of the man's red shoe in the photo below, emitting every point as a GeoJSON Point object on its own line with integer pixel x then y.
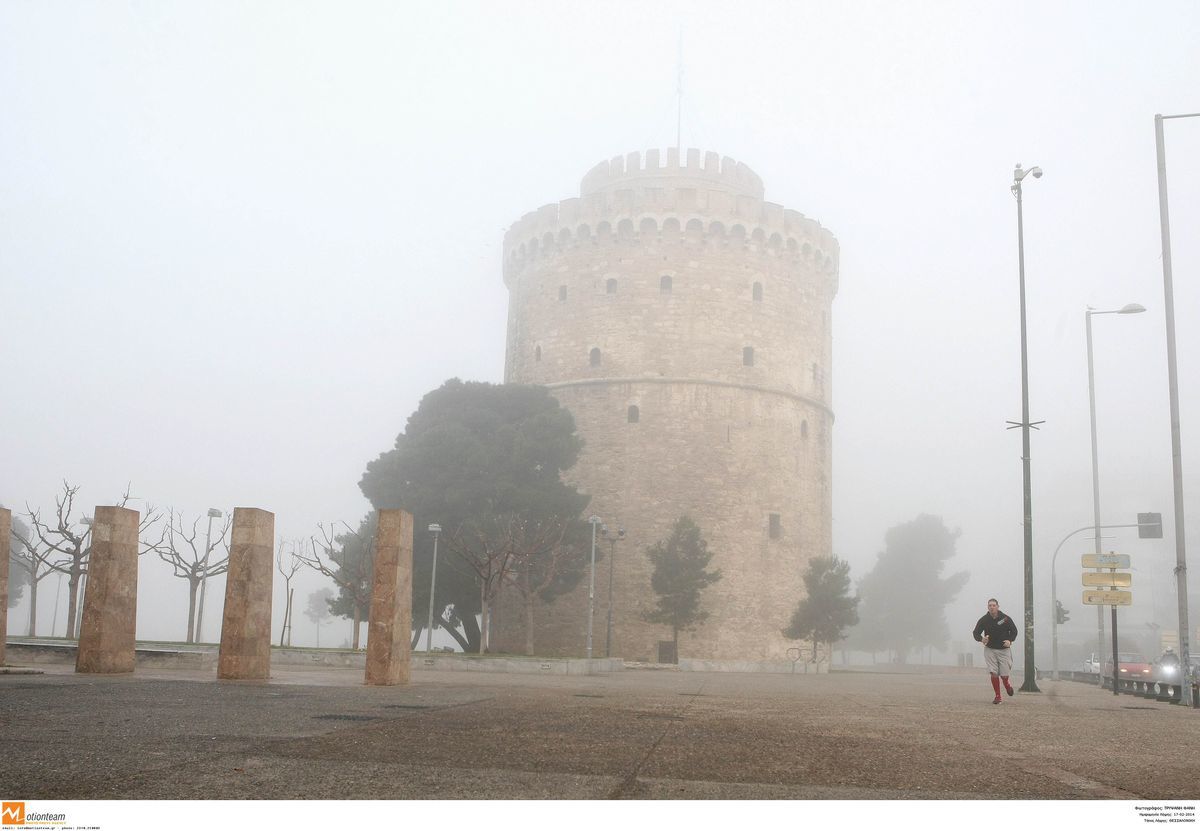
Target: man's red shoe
{"type": "Point", "coordinates": [996, 700]}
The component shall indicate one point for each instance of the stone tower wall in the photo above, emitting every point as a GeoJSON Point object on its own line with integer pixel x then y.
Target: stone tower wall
{"type": "Point", "coordinates": [591, 315]}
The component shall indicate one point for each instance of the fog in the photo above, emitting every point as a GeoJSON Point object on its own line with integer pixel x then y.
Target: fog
{"type": "Point", "coordinates": [240, 242]}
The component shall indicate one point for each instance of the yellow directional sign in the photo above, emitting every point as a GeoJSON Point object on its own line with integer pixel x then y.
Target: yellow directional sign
{"type": "Point", "coordinates": [1110, 598]}
{"type": "Point", "coordinates": [1109, 560]}
{"type": "Point", "coordinates": [1107, 578]}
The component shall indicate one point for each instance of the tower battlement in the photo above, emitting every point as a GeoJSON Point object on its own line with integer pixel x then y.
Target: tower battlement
{"type": "Point", "coordinates": [628, 171]}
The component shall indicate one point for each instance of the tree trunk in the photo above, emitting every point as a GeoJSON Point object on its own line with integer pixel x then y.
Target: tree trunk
{"type": "Point", "coordinates": [416, 638]}
{"type": "Point", "coordinates": [674, 638]}
{"type": "Point", "coordinates": [471, 630]}
{"type": "Point", "coordinates": [33, 584]}
{"type": "Point", "coordinates": [483, 620]}
{"type": "Point", "coordinates": [354, 643]}
{"type": "Point", "coordinates": [527, 597]}
{"type": "Point", "coordinates": [193, 587]}
{"type": "Point", "coordinates": [72, 601]}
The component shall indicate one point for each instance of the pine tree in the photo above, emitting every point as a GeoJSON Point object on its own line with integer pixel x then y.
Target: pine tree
{"type": "Point", "coordinates": [679, 577]}
{"type": "Point", "coordinates": [828, 610]}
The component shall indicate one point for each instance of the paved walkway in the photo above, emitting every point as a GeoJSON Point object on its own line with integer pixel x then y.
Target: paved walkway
{"type": "Point", "coordinates": [640, 734]}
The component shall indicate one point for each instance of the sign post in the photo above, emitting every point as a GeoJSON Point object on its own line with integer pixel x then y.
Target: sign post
{"type": "Point", "coordinates": [1107, 583]}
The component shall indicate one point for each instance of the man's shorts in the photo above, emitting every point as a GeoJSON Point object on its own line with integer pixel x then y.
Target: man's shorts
{"type": "Point", "coordinates": [999, 661]}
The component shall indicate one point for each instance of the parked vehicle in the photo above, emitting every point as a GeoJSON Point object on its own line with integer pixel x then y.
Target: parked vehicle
{"type": "Point", "coordinates": [1090, 664]}
{"type": "Point", "coordinates": [1133, 667]}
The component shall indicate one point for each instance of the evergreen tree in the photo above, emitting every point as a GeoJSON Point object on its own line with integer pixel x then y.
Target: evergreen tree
{"type": "Point", "coordinates": [679, 577]}
{"type": "Point", "coordinates": [904, 597]}
{"type": "Point", "coordinates": [828, 610]}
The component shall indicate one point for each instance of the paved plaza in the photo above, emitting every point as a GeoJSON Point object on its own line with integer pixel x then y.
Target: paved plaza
{"type": "Point", "coordinates": [634, 734]}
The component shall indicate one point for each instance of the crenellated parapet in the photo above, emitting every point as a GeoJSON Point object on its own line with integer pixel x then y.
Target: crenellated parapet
{"type": "Point", "coordinates": [624, 201]}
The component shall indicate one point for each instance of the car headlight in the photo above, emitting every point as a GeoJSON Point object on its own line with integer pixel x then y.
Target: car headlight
{"type": "Point", "coordinates": [1124, 670]}
{"type": "Point", "coordinates": [1168, 670]}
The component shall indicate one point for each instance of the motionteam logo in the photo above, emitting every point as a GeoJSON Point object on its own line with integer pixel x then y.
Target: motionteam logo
{"type": "Point", "coordinates": [14, 813]}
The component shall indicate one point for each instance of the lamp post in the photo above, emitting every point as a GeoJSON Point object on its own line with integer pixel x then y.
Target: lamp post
{"type": "Point", "coordinates": [213, 513]}
{"type": "Point", "coordinates": [612, 565]}
{"type": "Point", "coordinates": [1173, 387]}
{"type": "Point", "coordinates": [594, 520]}
{"type": "Point", "coordinates": [436, 530]}
{"type": "Point", "coordinates": [1030, 683]}
{"type": "Point", "coordinates": [87, 520]}
{"type": "Point", "coordinates": [1128, 309]}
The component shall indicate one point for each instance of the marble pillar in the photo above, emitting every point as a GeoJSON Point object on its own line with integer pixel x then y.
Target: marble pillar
{"type": "Point", "coordinates": [106, 631]}
{"type": "Point", "coordinates": [389, 629]}
{"type": "Point", "coordinates": [246, 620]}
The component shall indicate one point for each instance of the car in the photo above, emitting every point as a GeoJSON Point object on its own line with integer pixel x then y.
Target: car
{"type": "Point", "coordinates": [1133, 667]}
{"type": "Point", "coordinates": [1090, 664]}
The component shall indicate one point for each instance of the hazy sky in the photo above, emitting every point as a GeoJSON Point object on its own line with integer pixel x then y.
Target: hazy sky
{"type": "Point", "coordinates": [238, 243]}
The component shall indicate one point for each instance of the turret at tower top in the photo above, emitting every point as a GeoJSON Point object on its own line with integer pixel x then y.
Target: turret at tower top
{"type": "Point", "coordinates": [715, 173]}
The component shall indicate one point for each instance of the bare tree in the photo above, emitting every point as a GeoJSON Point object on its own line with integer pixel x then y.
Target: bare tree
{"type": "Point", "coordinates": [65, 544]}
{"type": "Point", "coordinates": [192, 559]}
{"type": "Point", "coordinates": [542, 565]}
{"type": "Point", "coordinates": [489, 552]}
{"type": "Point", "coordinates": [288, 569]}
{"type": "Point", "coordinates": [35, 562]}
{"type": "Point", "coordinates": [348, 562]}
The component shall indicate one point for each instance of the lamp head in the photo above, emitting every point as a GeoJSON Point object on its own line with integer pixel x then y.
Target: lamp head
{"type": "Point", "coordinates": [1131, 309]}
{"type": "Point", "coordinates": [1019, 173]}
{"type": "Point", "coordinates": [214, 513]}
{"type": "Point", "coordinates": [434, 528]}
{"type": "Point", "coordinates": [595, 520]}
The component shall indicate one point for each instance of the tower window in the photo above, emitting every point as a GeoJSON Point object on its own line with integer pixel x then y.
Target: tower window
{"type": "Point", "coordinates": [594, 356]}
{"type": "Point", "coordinates": [747, 356]}
{"type": "Point", "coordinates": [633, 415]}
{"type": "Point", "coordinates": [562, 294]}
{"type": "Point", "coordinates": [664, 284]}
{"type": "Point", "coordinates": [804, 429]}
{"type": "Point", "coordinates": [537, 353]}
{"type": "Point", "coordinates": [758, 292]}
{"type": "Point", "coordinates": [610, 287]}
{"type": "Point", "coordinates": [774, 526]}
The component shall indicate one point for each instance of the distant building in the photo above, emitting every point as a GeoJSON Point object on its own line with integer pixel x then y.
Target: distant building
{"type": "Point", "coordinates": [685, 322]}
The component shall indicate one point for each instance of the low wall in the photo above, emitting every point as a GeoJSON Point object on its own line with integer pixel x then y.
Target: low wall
{"type": "Point", "coordinates": [765, 667]}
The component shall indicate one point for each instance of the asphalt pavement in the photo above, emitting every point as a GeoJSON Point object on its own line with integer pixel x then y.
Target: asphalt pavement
{"type": "Point", "coordinates": [635, 734]}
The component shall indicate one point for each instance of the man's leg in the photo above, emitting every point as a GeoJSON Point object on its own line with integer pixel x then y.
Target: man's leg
{"type": "Point", "coordinates": [995, 686]}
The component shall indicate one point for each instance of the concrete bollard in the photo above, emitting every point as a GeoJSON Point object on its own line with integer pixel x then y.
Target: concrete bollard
{"type": "Point", "coordinates": [107, 630]}
{"type": "Point", "coordinates": [246, 620]}
{"type": "Point", "coordinates": [389, 628]}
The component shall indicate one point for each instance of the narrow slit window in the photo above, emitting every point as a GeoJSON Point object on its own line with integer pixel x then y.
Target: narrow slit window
{"type": "Point", "coordinates": [594, 356]}
{"type": "Point", "coordinates": [774, 526]}
{"type": "Point", "coordinates": [610, 287]}
{"type": "Point", "coordinates": [537, 353]}
{"type": "Point", "coordinates": [664, 284]}
{"type": "Point", "coordinates": [633, 415]}
{"type": "Point", "coordinates": [747, 356]}
{"type": "Point", "coordinates": [758, 292]}
{"type": "Point", "coordinates": [562, 294]}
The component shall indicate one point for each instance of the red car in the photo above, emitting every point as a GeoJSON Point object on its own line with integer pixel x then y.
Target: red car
{"type": "Point", "coordinates": [1133, 667]}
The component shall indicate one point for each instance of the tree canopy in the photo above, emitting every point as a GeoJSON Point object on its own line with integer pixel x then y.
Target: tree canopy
{"type": "Point", "coordinates": [828, 610]}
{"type": "Point", "coordinates": [680, 575]}
{"type": "Point", "coordinates": [483, 461]}
{"type": "Point", "coordinates": [904, 597]}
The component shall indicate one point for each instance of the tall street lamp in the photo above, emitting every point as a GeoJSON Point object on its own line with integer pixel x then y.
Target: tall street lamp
{"type": "Point", "coordinates": [1128, 309]}
{"type": "Point", "coordinates": [87, 520]}
{"type": "Point", "coordinates": [436, 530]}
{"type": "Point", "coordinates": [595, 521]}
{"type": "Point", "coordinates": [1030, 684]}
{"type": "Point", "coordinates": [213, 513]}
{"type": "Point", "coordinates": [612, 565]}
{"type": "Point", "coordinates": [1173, 386]}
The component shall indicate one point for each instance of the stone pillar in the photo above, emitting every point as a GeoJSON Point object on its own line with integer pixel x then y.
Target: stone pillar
{"type": "Point", "coordinates": [246, 621]}
{"type": "Point", "coordinates": [5, 551]}
{"type": "Point", "coordinates": [106, 632]}
{"type": "Point", "coordinates": [389, 629]}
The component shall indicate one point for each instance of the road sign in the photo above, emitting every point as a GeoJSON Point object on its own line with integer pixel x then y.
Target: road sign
{"type": "Point", "coordinates": [1109, 560]}
{"type": "Point", "coordinates": [1150, 526]}
{"type": "Point", "coordinates": [1107, 578]}
{"type": "Point", "coordinates": [1111, 598]}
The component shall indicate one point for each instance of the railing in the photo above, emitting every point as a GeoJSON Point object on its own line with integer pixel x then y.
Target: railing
{"type": "Point", "coordinates": [1157, 690]}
